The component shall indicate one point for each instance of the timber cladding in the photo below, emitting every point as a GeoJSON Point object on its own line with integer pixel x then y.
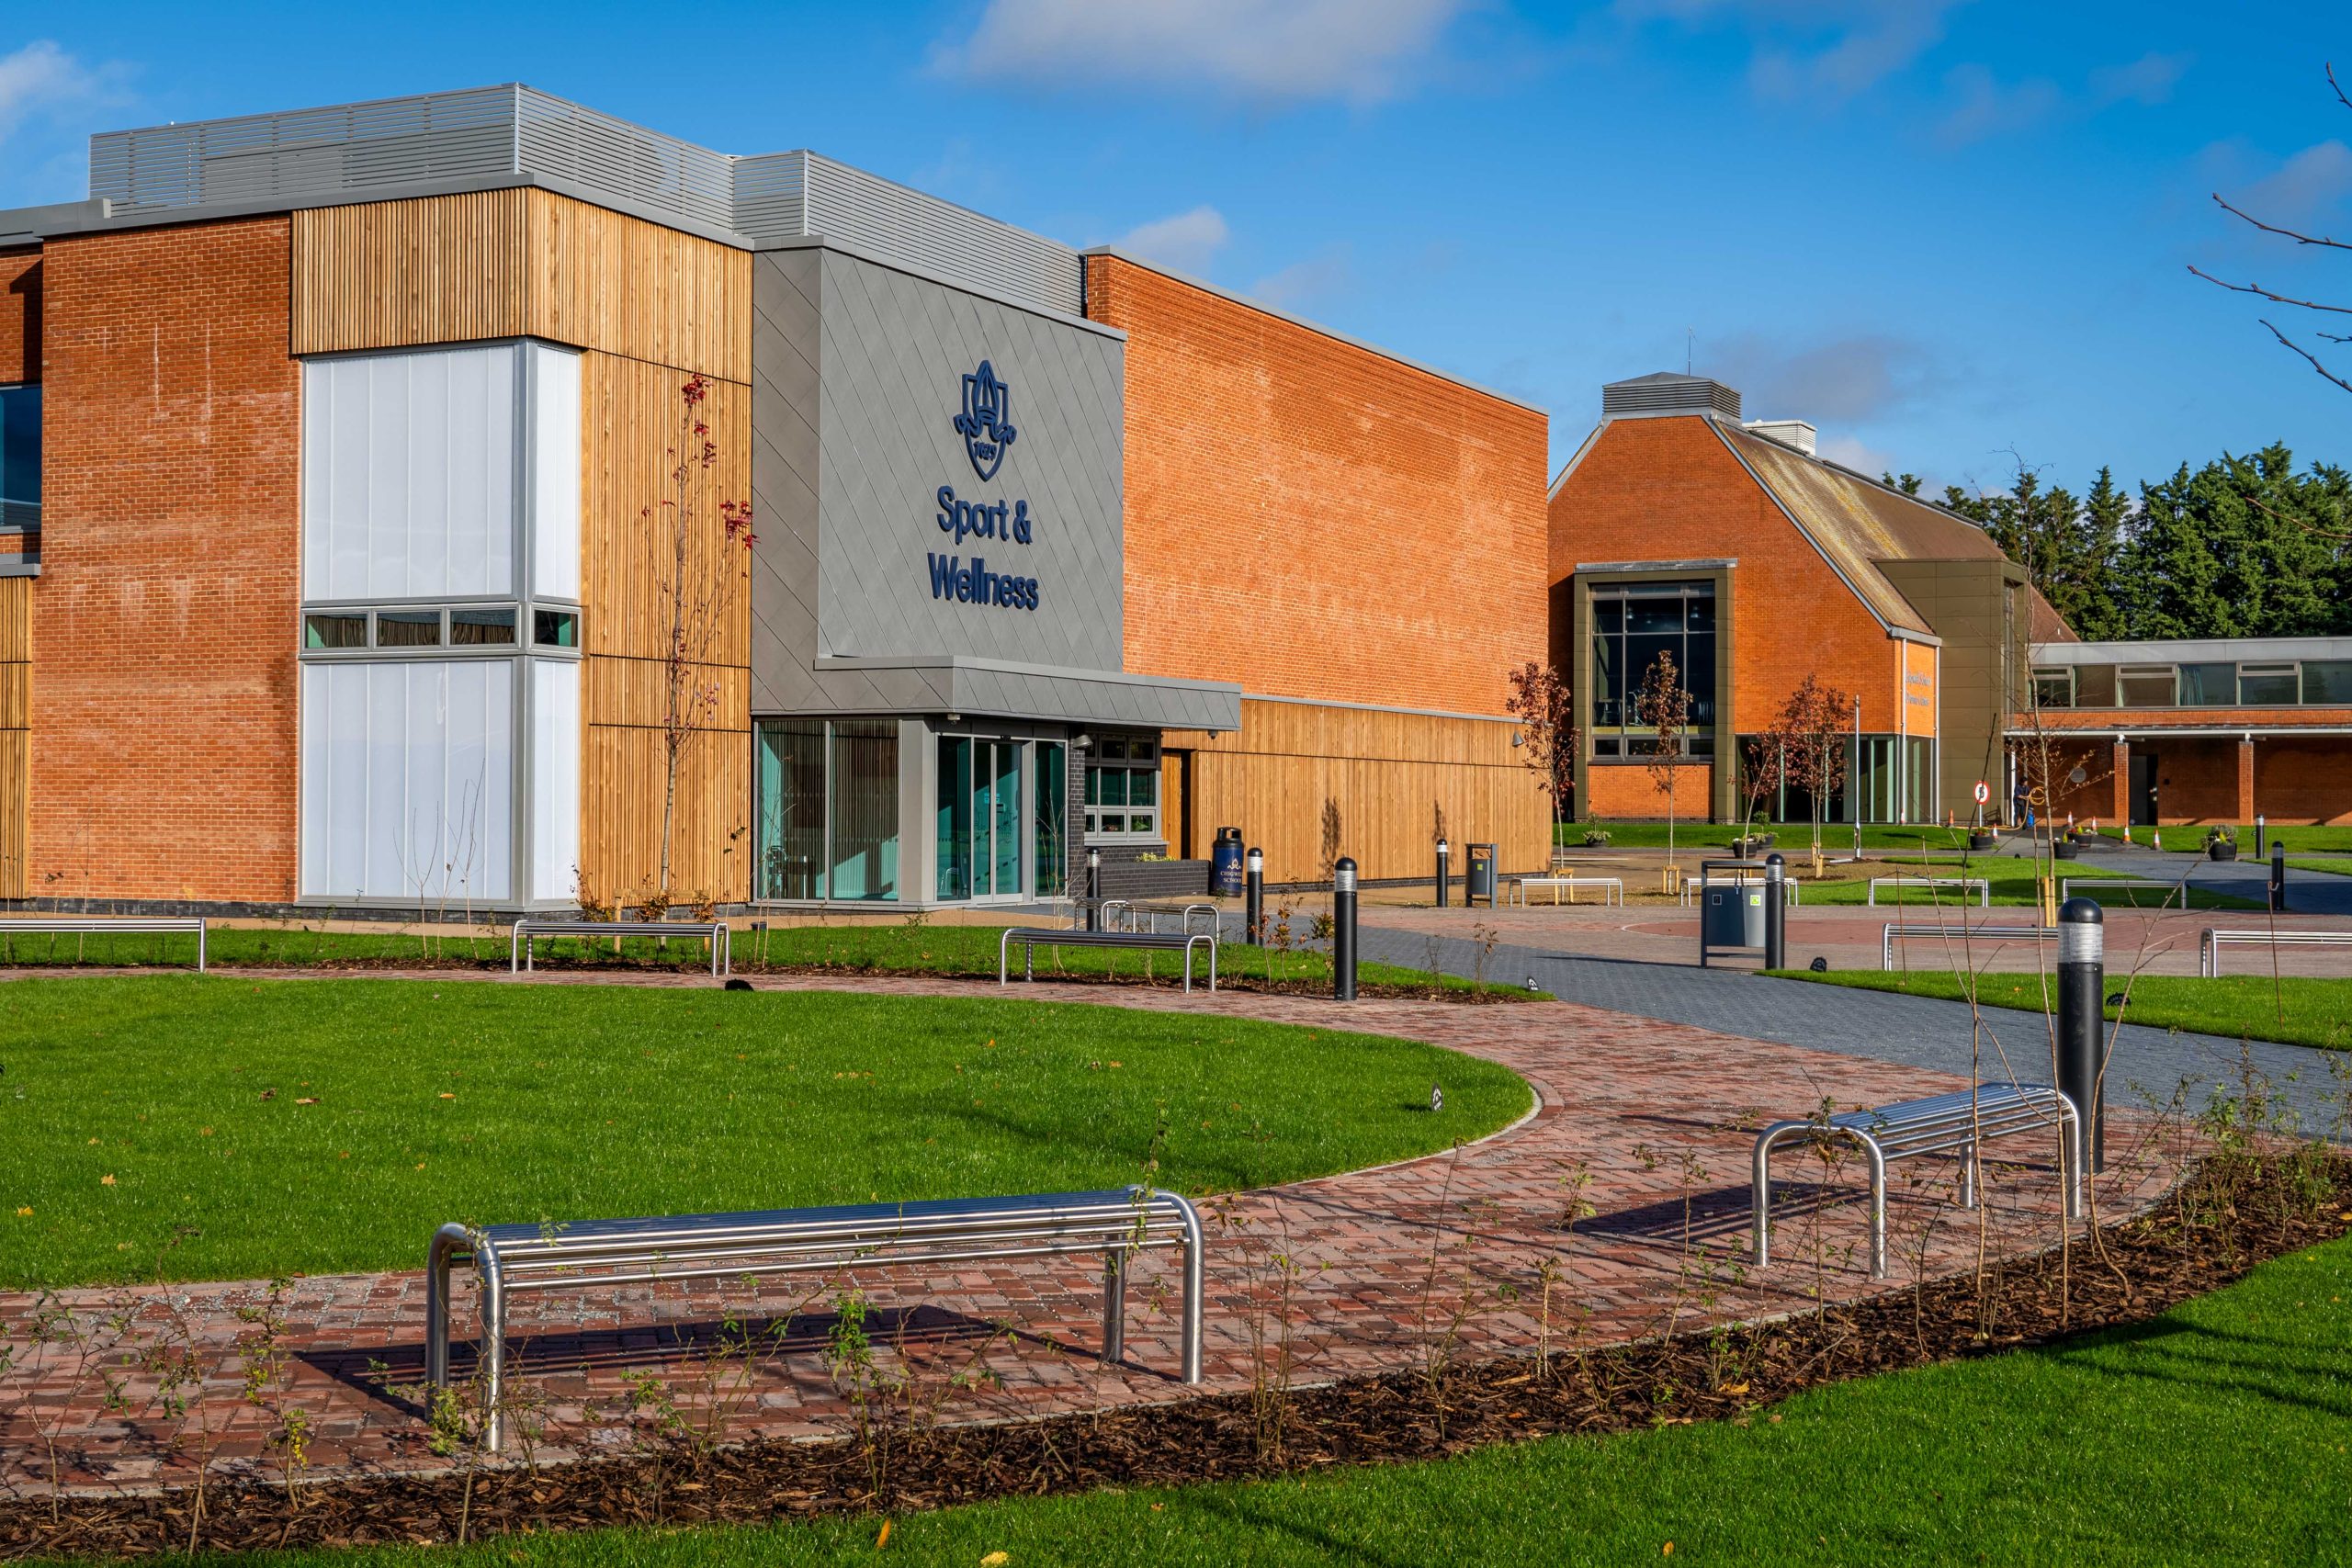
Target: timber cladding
{"type": "Point", "coordinates": [1308, 782]}
{"type": "Point", "coordinates": [519, 262]}
{"type": "Point", "coordinates": [634, 421]}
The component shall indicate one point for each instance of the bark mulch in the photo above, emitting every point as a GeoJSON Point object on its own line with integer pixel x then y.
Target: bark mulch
{"type": "Point", "coordinates": [2229, 1214]}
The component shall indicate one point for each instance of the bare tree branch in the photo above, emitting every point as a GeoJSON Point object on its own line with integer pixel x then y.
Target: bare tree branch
{"type": "Point", "coordinates": [2339, 91]}
{"type": "Point", "coordinates": [2297, 235]}
{"type": "Point", "coordinates": [2309, 357]}
{"type": "Point", "coordinates": [2267, 294]}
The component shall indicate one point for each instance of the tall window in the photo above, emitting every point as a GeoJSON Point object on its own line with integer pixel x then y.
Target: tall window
{"type": "Point", "coordinates": [1633, 624]}
{"type": "Point", "coordinates": [828, 809]}
{"type": "Point", "coordinates": [1123, 788]}
{"type": "Point", "coordinates": [1053, 813]}
{"type": "Point", "coordinates": [20, 456]}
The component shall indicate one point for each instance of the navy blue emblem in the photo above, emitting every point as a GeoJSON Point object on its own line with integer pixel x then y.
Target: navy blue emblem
{"type": "Point", "coordinates": [986, 423]}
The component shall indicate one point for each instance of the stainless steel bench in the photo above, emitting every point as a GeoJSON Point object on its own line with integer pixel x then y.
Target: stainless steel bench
{"type": "Point", "coordinates": [1963, 934]}
{"type": "Point", "coordinates": [109, 925]}
{"type": "Point", "coordinates": [1134, 917]}
{"type": "Point", "coordinates": [1945, 1123]}
{"type": "Point", "coordinates": [1032, 938]}
{"type": "Point", "coordinates": [2211, 941]}
{"type": "Point", "coordinates": [1982, 885]}
{"type": "Point", "coordinates": [602, 1254]}
{"type": "Point", "coordinates": [529, 929]}
{"type": "Point", "coordinates": [1612, 889]}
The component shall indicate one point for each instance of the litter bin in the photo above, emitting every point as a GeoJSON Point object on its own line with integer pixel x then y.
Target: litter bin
{"type": "Point", "coordinates": [1225, 863]}
{"type": "Point", "coordinates": [1479, 877]}
{"type": "Point", "coordinates": [1732, 914]}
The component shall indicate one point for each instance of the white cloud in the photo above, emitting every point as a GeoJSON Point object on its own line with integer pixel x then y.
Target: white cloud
{"type": "Point", "coordinates": [2148, 80]}
{"type": "Point", "coordinates": [1186, 241]}
{"type": "Point", "coordinates": [44, 95]}
{"type": "Point", "coordinates": [1301, 284]}
{"type": "Point", "coordinates": [1816, 51]}
{"type": "Point", "coordinates": [2309, 186]}
{"type": "Point", "coordinates": [1848, 380]}
{"type": "Point", "coordinates": [1984, 107]}
{"type": "Point", "coordinates": [1361, 51]}
{"type": "Point", "coordinates": [1858, 456]}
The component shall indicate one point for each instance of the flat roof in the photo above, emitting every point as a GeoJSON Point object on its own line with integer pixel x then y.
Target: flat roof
{"type": "Point", "coordinates": [2195, 651]}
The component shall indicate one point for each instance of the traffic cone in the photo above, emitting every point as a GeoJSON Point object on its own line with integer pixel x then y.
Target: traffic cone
{"type": "Point", "coordinates": [2156, 837]}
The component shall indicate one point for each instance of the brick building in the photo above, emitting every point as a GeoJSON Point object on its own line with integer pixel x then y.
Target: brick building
{"type": "Point", "coordinates": [336, 568]}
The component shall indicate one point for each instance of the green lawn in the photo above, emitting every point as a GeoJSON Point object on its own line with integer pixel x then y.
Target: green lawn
{"type": "Point", "coordinates": [2215, 1433]}
{"type": "Point", "coordinates": [2298, 835]}
{"type": "Point", "coordinates": [2012, 883]}
{"type": "Point", "coordinates": [220, 1128]}
{"type": "Point", "coordinates": [1837, 838]}
{"type": "Point", "coordinates": [2333, 865]}
{"type": "Point", "coordinates": [865, 947]}
{"type": "Point", "coordinates": [2238, 1007]}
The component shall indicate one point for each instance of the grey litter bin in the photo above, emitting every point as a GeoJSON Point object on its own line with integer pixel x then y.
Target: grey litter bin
{"type": "Point", "coordinates": [1479, 877]}
{"type": "Point", "coordinates": [1225, 863]}
{"type": "Point", "coordinates": [1732, 914]}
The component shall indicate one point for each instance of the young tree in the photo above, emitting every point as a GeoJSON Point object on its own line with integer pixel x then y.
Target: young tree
{"type": "Point", "coordinates": [1663, 704]}
{"type": "Point", "coordinates": [1539, 700]}
{"type": "Point", "coordinates": [1813, 728]}
{"type": "Point", "coordinates": [1764, 769]}
{"type": "Point", "coordinates": [698, 579]}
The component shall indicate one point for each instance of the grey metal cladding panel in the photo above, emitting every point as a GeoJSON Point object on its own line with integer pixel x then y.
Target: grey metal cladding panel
{"type": "Point", "coordinates": [785, 338]}
{"type": "Point", "coordinates": [895, 350]}
{"type": "Point", "coordinates": [771, 196]}
{"type": "Point", "coordinates": [938, 236]}
{"type": "Point", "coordinates": [1145, 705]}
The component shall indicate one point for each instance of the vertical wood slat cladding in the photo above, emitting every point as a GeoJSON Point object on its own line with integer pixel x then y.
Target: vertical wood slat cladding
{"type": "Point", "coordinates": [630, 415]}
{"type": "Point", "coordinates": [1388, 775]}
{"type": "Point", "coordinates": [519, 262]}
{"type": "Point", "coordinates": [16, 737]}
{"type": "Point", "coordinates": [401, 273]}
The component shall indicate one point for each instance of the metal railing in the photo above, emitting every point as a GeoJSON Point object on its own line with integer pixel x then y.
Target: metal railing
{"type": "Point", "coordinates": [1612, 889]}
{"type": "Point", "coordinates": [1984, 887]}
{"type": "Point", "coordinates": [1032, 938]}
{"type": "Point", "coordinates": [2066, 885]}
{"type": "Point", "coordinates": [2211, 941]}
{"type": "Point", "coordinates": [1996, 934]}
{"type": "Point", "coordinates": [607, 1253]}
{"type": "Point", "coordinates": [529, 929]}
{"type": "Point", "coordinates": [108, 925]}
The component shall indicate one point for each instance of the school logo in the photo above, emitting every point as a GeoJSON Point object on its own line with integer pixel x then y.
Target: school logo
{"type": "Point", "coordinates": [986, 423]}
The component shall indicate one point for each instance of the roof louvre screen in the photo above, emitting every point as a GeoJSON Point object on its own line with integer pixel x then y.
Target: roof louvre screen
{"type": "Point", "coordinates": [1667, 393]}
{"type": "Point", "coordinates": [489, 133]}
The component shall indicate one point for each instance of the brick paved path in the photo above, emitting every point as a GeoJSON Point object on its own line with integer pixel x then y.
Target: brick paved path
{"type": "Point", "coordinates": [1649, 1121]}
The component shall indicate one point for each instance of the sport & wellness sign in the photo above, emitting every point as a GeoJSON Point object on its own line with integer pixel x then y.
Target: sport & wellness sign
{"type": "Point", "coordinates": [986, 424]}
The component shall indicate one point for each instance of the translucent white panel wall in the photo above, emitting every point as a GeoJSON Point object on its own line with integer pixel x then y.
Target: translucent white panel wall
{"type": "Point", "coordinates": [555, 778]}
{"type": "Point", "coordinates": [554, 473]}
{"type": "Point", "coordinates": [409, 474]}
{"type": "Point", "coordinates": [408, 780]}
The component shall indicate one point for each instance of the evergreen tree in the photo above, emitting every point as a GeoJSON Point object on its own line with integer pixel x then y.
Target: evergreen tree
{"type": "Point", "coordinates": [2099, 532]}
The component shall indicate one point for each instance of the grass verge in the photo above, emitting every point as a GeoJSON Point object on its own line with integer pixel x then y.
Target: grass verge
{"type": "Point", "coordinates": [2295, 1010]}
{"type": "Point", "coordinates": [167, 1126]}
{"type": "Point", "coordinates": [2011, 883]}
{"type": "Point", "coordinates": [2072, 1453]}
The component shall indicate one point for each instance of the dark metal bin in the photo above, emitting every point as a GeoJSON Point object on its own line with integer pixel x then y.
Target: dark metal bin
{"type": "Point", "coordinates": [1225, 863]}
{"type": "Point", "coordinates": [1479, 877]}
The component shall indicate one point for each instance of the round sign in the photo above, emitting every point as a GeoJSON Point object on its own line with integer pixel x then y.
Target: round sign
{"type": "Point", "coordinates": [1983, 792]}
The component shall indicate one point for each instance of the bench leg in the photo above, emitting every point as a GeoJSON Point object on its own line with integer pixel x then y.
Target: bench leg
{"type": "Point", "coordinates": [1029, 961]}
{"type": "Point", "coordinates": [1968, 1175]}
{"type": "Point", "coordinates": [1115, 1305]}
{"type": "Point", "coordinates": [1760, 1200]}
{"type": "Point", "coordinates": [494, 1352]}
{"type": "Point", "coordinates": [1878, 1209]}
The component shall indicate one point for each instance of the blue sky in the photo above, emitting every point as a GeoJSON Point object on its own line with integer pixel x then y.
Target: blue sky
{"type": "Point", "coordinates": [1942, 232]}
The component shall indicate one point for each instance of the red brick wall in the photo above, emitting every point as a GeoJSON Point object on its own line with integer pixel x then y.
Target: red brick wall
{"type": "Point", "coordinates": [163, 688]}
{"type": "Point", "coordinates": [2304, 780]}
{"type": "Point", "coordinates": [1312, 519]}
{"type": "Point", "coordinates": [1653, 490]}
{"type": "Point", "coordinates": [20, 316]}
{"type": "Point", "coordinates": [1616, 792]}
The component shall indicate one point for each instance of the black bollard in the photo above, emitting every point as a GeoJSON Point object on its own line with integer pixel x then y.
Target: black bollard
{"type": "Point", "coordinates": [1343, 930]}
{"type": "Point", "coordinates": [2258, 826]}
{"type": "Point", "coordinates": [1094, 890]}
{"type": "Point", "coordinates": [1445, 853]}
{"type": "Point", "coordinates": [1253, 898]}
{"type": "Point", "coordinates": [1776, 911]}
{"type": "Point", "coordinates": [2082, 985]}
{"type": "Point", "coordinates": [2278, 877]}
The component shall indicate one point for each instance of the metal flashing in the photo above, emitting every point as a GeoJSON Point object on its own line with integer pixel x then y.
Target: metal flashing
{"type": "Point", "coordinates": [1725, 564]}
{"type": "Point", "coordinates": [962, 286]}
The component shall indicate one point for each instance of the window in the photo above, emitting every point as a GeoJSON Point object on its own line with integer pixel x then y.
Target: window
{"type": "Point", "coordinates": [2145, 686]}
{"type": "Point", "coordinates": [2268, 685]}
{"type": "Point", "coordinates": [1632, 626]}
{"type": "Point", "coordinates": [2053, 688]}
{"type": "Point", "coordinates": [336, 630]}
{"type": "Point", "coordinates": [556, 629]}
{"type": "Point", "coordinates": [2208, 685]}
{"type": "Point", "coordinates": [1053, 812]}
{"type": "Point", "coordinates": [2328, 680]}
{"type": "Point", "coordinates": [407, 628]}
{"type": "Point", "coordinates": [1123, 788]}
{"type": "Point", "coordinates": [20, 456]}
{"type": "Point", "coordinates": [2094, 686]}
{"type": "Point", "coordinates": [828, 809]}
{"type": "Point", "coordinates": [481, 628]}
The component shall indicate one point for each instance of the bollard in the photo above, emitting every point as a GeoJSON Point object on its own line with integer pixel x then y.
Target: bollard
{"type": "Point", "coordinates": [2258, 826]}
{"type": "Point", "coordinates": [1445, 851]}
{"type": "Point", "coordinates": [2278, 877]}
{"type": "Point", "coordinates": [1343, 930]}
{"type": "Point", "coordinates": [1094, 890]}
{"type": "Point", "coordinates": [1253, 898]}
{"type": "Point", "coordinates": [2082, 984]}
{"type": "Point", "coordinates": [1776, 912]}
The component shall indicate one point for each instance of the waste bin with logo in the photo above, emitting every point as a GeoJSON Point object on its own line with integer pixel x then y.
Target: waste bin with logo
{"type": "Point", "coordinates": [1479, 877]}
{"type": "Point", "coordinates": [1225, 863]}
{"type": "Point", "coordinates": [1731, 914]}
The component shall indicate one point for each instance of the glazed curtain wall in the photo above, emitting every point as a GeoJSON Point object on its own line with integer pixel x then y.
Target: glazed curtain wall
{"type": "Point", "coordinates": [828, 809]}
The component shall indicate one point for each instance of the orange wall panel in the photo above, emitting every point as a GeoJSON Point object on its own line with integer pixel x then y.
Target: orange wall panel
{"type": "Point", "coordinates": [1312, 519]}
{"type": "Point", "coordinates": [164, 728]}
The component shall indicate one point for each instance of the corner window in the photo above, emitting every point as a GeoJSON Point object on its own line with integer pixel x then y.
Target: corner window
{"type": "Point", "coordinates": [336, 630]}
{"type": "Point", "coordinates": [1123, 788]}
{"type": "Point", "coordinates": [20, 456]}
{"type": "Point", "coordinates": [556, 629]}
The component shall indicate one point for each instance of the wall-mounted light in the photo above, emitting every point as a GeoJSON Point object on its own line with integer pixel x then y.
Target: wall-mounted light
{"type": "Point", "coordinates": [1517, 741]}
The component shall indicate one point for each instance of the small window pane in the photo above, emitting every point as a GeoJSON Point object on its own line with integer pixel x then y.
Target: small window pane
{"type": "Point", "coordinates": [2095, 685]}
{"type": "Point", "coordinates": [2267, 685]}
{"type": "Point", "coordinates": [1702, 610]}
{"type": "Point", "coordinates": [1111, 824]}
{"type": "Point", "coordinates": [555, 628]}
{"type": "Point", "coordinates": [1608, 617]}
{"type": "Point", "coordinates": [481, 628]}
{"type": "Point", "coordinates": [334, 631]}
{"type": "Point", "coordinates": [1143, 751]}
{"type": "Point", "coordinates": [1140, 823]}
{"type": "Point", "coordinates": [1113, 788]}
{"type": "Point", "coordinates": [1143, 787]}
{"type": "Point", "coordinates": [2208, 685]}
{"type": "Point", "coordinates": [1654, 615]}
{"type": "Point", "coordinates": [2146, 688]}
{"type": "Point", "coordinates": [2054, 689]}
{"type": "Point", "coordinates": [407, 628]}
{"type": "Point", "coordinates": [2328, 680]}
{"type": "Point", "coordinates": [1114, 748]}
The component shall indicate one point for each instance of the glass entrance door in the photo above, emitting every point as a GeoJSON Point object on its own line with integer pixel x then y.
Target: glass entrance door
{"type": "Point", "coordinates": [979, 817]}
